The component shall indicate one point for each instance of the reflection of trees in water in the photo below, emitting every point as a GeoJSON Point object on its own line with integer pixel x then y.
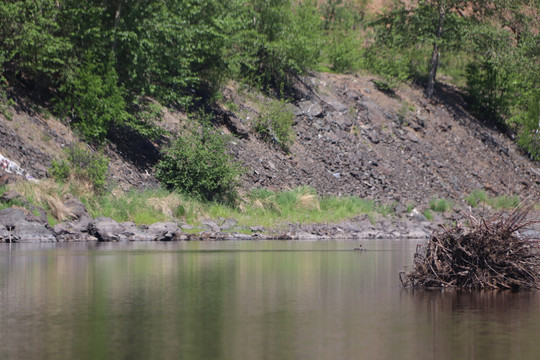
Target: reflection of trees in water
{"type": "Point", "coordinates": [486, 324]}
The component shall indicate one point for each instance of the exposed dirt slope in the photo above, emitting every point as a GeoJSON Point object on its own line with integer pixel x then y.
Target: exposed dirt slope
{"type": "Point", "coordinates": [354, 139]}
{"type": "Point", "coordinates": [350, 139]}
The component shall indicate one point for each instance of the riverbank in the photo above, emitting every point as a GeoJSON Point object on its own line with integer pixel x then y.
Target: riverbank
{"type": "Point", "coordinates": [49, 212]}
{"type": "Point", "coordinates": [25, 228]}
{"type": "Point", "coordinates": [362, 165]}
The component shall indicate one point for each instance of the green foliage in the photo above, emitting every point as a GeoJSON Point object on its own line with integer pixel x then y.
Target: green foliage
{"type": "Point", "coordinates": [476, 197]}
{"type": "Point", "coordinates": [479, 197]}
{"type": "Point", "coordinates": [428, 214]}
{"type": "Point", "coordinates": [133, 206]}
{"type": "Point", "coordinates": [82, 164]}
{"type": "Point", "coordinates": [440, 205]}
{"type": "Point", "coordinates": [93, 100]}
{"type": "Point", "coordinates": [503, 78]}
{"type": "Point", "coordinates": [386, 209]}
{"type": "Point", "coordinates": [505, 202]}
{"type": "Point", "coordinates": [32, 43]}
{"type": "Point", "coordinates": [168, 47]}
{"type": "Point", "coordinates": [403, 39]}
{"type": "Point", "coordinates": [197, 163]}
{"type": "Point", "coordinates": [344, 52]}
{"type": "Point", "coordinates": [343, 43]}
{"type": "Point", "coordinates": [301, 205]}
{"type": "Point", "coordinates": [274, 41]}
{"type": "Point", "coordinates": [5, 101]}
{"type": "Point", "coordinates": [529, 133]}
{"type": "Point", "coordinates": [275, 124]}
{"type": "Point", "coordinates": [146, 119]}
{"type": "Point", "coordinates": [486, 91]}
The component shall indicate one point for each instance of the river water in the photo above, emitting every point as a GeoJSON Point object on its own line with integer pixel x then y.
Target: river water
{"type": "Point", "coordinates": [247, 300]}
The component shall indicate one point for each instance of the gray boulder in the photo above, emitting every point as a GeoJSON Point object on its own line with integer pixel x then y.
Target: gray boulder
{"type": "Point", "coordinates": [33, 232]}
{"type": "Point", "coordinates": [75, 206]}
{"type": "Point", "coordinates": [106, 229]}
{"type": "Point", "coordinates": [164, 231]}
{"type": "Point", "coordinates": [211, 225]}
{"type": "Point", "coordinates": [15, 228]}
{"type": "Point", "coordinates": [228, 224]}
{"type": "Point", "coordinates": [311, 109]}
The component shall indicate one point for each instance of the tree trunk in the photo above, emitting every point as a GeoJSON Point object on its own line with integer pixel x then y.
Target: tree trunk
{"type": "Point", "coordinates": [435, 55]}
{"type": "Point", "coordinates": [116, 22]}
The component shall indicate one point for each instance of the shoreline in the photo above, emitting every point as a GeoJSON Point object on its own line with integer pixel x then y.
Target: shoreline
{"type": "Point", "coordinates": [18, 227]}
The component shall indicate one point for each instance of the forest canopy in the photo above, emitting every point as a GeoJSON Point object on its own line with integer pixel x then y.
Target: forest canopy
{"type": "Point", "coordinates": [97, 63]}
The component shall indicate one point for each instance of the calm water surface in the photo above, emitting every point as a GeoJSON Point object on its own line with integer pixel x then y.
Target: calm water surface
{"type": "Point", "coordinates": [247, 300]}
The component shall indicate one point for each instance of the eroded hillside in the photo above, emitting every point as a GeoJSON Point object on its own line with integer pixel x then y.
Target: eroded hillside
{"type": "Point", "coordinates": [351, 139]}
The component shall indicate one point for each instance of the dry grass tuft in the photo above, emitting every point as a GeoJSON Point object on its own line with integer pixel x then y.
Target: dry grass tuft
{"type": "Point", "coordinates": [58, 209]}
{"type": "Point", "coordinates": [166, 205]}
{"type": "Point", "coordinates": [308, 202]}
{"type": "Point", "coordinates": [49, 194]}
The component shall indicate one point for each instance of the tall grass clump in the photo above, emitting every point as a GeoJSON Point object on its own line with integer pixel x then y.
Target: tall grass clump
{"type": "Point", "coordinates": [440, 205]}
{"type": "Point", "coordinates": [82, 164]}
{"type": "Point", "coordinates": [48, 195]}
{"type": "Point", "coordinates": [476, 198]}
{"type": "Point", "coordinates": [480, 197]}
{"type": "Point", "coordinates": [141, 207]}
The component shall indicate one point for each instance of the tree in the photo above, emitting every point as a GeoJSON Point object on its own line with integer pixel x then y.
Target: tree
{"type": "Point", "coordinates": [440, 23]}
{"type": "Point", "coordinates": [442, 8]}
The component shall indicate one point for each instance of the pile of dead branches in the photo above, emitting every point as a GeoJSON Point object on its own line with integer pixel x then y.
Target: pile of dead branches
{"type": "Point", "coordinates": [485, 254]}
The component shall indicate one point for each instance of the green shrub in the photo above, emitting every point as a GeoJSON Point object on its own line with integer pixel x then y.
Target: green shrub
{"type": "Point", "coordinates": [93, 100]}
{"type": "Point", "coordinates": [275, 124]}
{"type": "Point", "coordinates": [82, 164]}
{"type": "Point", "coordinates": [274, 41]}
{"type": "Point", "coordinates": [344, 52]}
{"type": "Point", "coordinates": [486, 88]}
{"type": "Point", "coordinates": [428, 214]}
{"type": "Point", "coordinates": [197, 163]}
{"type": "Point", "coordinates": [440, 205]}
{"type": "Point", "coordinates": [5, 102]}
{"type": "Point", "coordinates": [476, 197]}
{"type": "Point", "coordinates": [529, 133]}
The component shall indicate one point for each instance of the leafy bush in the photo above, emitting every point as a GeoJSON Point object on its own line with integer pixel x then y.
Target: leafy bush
{"type": "Point", "coordinates": [93, 100]}
{"type": "Point", "coordinates": [5, 102]}
{"type": "Point", "coordinates": [82, 164]}
{"type": "Point", "coordinates": [529, 133]}
{"type": "Point", "coordinates": [342, 45]}
{"type": "Point", "coordinates": [274, 41]}
{"type": "Point", "coordinates": [486, 91]}
{"type": "Point", "coordinates": [440, 205]}
{"type": "Point", "coordinates": [197, 163]}
{"type": "Point", "coordinates": [476, 197]}
{"type": "Point", "coordinates": [275, 124]}
{"type": "Point", "coordinates": [344, 52]}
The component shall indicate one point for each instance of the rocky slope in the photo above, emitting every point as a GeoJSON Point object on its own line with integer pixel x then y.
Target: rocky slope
{"type": "Point", "coordinates": [354, 139]}
{"type": "Point", "coordinates": [351, 139]}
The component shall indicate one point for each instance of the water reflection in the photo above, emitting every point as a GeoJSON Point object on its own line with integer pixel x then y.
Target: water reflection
{"type": "Point", "coordinates": [246, 300]}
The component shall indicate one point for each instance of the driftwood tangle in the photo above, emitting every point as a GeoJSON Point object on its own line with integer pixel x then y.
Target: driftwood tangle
{"type": "Point", "coordinates": [485, 254]}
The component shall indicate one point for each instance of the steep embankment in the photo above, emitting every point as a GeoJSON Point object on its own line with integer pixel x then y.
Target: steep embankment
{"type": "Point", "coordinates": [354, 139]}
{"type": "Point", "coordinates": [351, 139]}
